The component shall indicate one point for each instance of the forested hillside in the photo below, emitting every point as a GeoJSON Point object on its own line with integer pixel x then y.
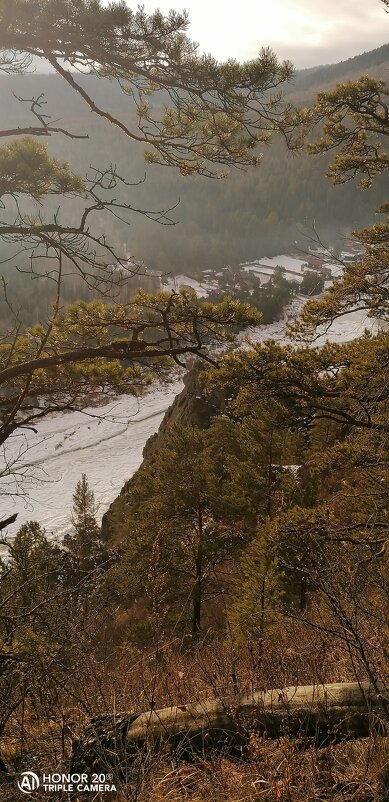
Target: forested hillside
{"type": "Point", "coordinates": [223, 637]}
{"type": "Point", "coordinates": [375, 63]}
{"type": "Point", "coordinates": [251, 214]}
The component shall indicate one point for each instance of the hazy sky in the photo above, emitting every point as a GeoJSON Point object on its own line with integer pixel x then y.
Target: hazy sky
{"type": "Point", "coordinates": [308, 32]}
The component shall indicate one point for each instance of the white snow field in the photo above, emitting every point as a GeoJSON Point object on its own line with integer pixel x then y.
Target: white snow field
{"type": "Point", "coordinates": [293, 266]}
{"type": "Point", "coordinates": [344, 329]}
{"type": "Point", "coordinates": [107, 442]}
{"type": "Point", "coordinates": [186, 282]}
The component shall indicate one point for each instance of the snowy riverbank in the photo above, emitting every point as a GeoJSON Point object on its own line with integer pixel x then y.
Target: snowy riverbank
{"type": "Point", "coordinates": [105, 443]}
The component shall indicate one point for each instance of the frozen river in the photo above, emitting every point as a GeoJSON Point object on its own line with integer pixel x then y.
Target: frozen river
{"type": "Point", "coordinates": [105, 443]}
{"type": "Point", "coordinates": [40, 470]}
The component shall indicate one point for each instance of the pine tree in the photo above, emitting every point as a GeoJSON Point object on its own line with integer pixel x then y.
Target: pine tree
{"type": "Point", "coordinates": [33, 620]}
{"type": "Point", "coordinates": [312, 283]}
{"type": "Point", "coordinates": [173, 517]}
{"type": "Point", "coordinates": [86, 542]}
{"type": "Point", "coordinates": [258, 592]}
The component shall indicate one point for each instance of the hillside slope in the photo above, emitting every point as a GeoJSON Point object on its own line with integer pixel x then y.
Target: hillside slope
{"type": "Point", "coordinates": [248, 215]}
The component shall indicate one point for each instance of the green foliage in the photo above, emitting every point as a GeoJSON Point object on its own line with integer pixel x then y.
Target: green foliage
{"type": "Point", "coordinates": [209, 113]}
{"type": "Point", "coordinates": [355, 117]}
{"type": "Point", "coordinates": [345, 383]}
{"type": "Point", "coordinates": [297, 540]}
{"type": "Point", "coordinates": [293, 478]}
{"type": "Point", "coordinates": [271, 299]}
{"type": "Point", "coordinates": [26, 168]}
{"type": "Point", "coordinates": [50, 611]}
{"type": "Point", "coordinates": [265, 446]}
{"type": "Point", "coordinates": [312, 284]}
{"type": "Point", "coordinates": [186, 515]}
{"type": "Point", "coordinates": [32, 619]}
{"type": "Point", "coordinates": [110, 347]}
{"type": "Point", "coordinates": [363, 285]}
{"type": "Point", "coordinates": [353, 121]}
{"type": "Point", "coordinates": [258, 593]}
{"type": "Point", "coordinates": [175, 528]}
{"type": "Point", "coordinates": [86, 542]}
{"type": "Point", "coordinates": [29, 560]}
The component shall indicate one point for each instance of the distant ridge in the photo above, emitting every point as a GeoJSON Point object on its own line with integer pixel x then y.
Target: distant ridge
{"type": "Point", "coordinates": [303, 87]}
{"type": "Point", "coordinates": [366, 59]}
{"type": "Point", "coordinates": [313, 78]}
{"type": "Point", "coordinates": [259, 212]}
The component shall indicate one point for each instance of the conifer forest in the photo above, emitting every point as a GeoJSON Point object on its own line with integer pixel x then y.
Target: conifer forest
{"type": "Point", "coordinates": [194, 409]}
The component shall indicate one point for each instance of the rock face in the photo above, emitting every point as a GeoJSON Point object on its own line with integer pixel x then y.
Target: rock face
{"type": "Point", "coordinates": [324, 714]}
{"type": "Point", "coordinates": [190, 408]}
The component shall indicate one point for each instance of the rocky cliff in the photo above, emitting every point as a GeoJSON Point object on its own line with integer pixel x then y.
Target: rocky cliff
{"type": "Point", "coordinates": [190, 408]}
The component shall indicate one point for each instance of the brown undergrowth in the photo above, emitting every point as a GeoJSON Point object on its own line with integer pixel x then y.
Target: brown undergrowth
{"type": "Point", "coordinates": [280, 771]}
{"type": "Point", "coordinates": [39, 736]}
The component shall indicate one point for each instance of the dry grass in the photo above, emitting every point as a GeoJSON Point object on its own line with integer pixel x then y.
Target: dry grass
{"type": "Point", "coordinates": [278, 772]}
{"type": "Point", "coordinates": [39, 734]}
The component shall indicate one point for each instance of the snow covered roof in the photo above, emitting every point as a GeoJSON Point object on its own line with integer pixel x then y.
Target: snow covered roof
{"type": "Point", "coordinates": [267, 266]}
{"type": "Point", "coordinates": [289, 263]}
{"type": "Point", "coordinates": [293, 266]}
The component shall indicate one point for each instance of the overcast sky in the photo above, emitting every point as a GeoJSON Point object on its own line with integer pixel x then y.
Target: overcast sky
{"type": "Point", "coordinates": [308, 32]}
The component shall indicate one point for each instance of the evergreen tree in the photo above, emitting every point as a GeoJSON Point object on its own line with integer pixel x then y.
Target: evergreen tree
{"type": "Point", "coordinates": [258, 592]}
{"type": "Point", "coordinates": [178, 515]}
{"type": "Point", "coordinates": [33, 619]}
{"type": "Point", "coordinates": [312, 284]}
{"type": "Point", "coordinates": [196, 506]}
{"type": "Point", "coordinates": [85, 543]}
{"type": "Point", "coordinates": [207, 113]}
{"type": "Point", "coordinates": [262, 484]}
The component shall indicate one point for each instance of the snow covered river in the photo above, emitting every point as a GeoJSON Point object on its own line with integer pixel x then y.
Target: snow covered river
{"type": "Point", "coordinates": [39, 471]}
{"type": "Point", "coordinates": [106, 443]}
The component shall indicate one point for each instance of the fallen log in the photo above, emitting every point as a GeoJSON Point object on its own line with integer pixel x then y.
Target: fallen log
{"type": "Point", "coordinates": [324, 714]}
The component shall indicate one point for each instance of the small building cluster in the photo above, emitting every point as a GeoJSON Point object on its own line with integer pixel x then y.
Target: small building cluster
{"type": "Point", "coordinates": [248, 275]}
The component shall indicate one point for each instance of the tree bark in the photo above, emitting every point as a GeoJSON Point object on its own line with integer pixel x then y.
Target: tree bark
{"type": "Point", "coordinates": [198, 586]}
{"type": "Point", "coordinates": [324, 714]}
